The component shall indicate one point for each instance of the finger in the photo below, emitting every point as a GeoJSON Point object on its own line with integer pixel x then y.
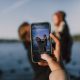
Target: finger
{"type": "Point", "coordinates": [57, 47]}
{"type": "Point", "coordinates": [56, 41]}
{"type": "Point", "coordinates": [57, 55]}
{"type": "Point", "coordinates": [45, 57]}
{"type": "Point", "coordinates": [52, 64]}
{"type": "Point", "coordinates": [42, 63]}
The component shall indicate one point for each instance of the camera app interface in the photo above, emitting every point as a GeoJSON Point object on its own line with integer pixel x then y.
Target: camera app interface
{"type": "Point", "coordinates": [40, 39]}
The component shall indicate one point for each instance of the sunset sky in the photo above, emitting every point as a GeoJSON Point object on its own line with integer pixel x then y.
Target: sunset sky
{"type": "Point", "coordinates": [14, 12]}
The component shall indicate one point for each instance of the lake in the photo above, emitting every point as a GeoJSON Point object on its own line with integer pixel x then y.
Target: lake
{"type": "Point", "coordinates": [14, 64]}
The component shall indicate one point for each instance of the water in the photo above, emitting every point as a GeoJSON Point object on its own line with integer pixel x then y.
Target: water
{"type": "Point", "coordinates": [14, 64]}
{"type": "Point", "coordinates": [74, 66]}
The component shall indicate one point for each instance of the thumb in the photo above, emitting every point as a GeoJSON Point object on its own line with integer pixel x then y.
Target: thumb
{"type": "Point", "coordinates": [46, 57]}
{"type": "Point", "coordinates": [51, 63]}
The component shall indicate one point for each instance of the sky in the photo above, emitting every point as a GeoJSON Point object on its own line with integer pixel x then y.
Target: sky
{"type": "Point", "coordinates": [14, 12]}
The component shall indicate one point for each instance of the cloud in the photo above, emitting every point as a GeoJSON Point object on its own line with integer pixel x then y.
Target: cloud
{"type": "Point", "coordinates": [14, 6]}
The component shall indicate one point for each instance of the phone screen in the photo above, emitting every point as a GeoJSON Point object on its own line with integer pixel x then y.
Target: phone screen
{"type": "Point", "coordinates": [40, 38]}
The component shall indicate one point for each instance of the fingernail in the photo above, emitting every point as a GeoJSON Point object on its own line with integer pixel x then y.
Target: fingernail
{"type": "Point", "coordinates": [42, 56]}
{"type": "Point", "coordinates": [50, 34]}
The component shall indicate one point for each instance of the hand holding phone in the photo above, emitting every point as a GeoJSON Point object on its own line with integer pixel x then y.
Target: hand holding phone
{"type": "Point", "coordinates": [52, 60]}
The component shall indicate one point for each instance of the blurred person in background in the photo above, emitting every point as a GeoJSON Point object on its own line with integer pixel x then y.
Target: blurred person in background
{"type": "Point", "coordinates": [61, 31]}
{"type": "Point", "coordinates": [41, 71]}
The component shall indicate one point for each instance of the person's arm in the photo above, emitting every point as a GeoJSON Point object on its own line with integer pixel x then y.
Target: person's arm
{"type": "Point", "coordinates": [58, 75]}
{"type": "Point", "coordinates": [57, 72]}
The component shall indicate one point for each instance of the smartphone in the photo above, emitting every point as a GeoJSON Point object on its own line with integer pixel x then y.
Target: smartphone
{"type": "Point", "coordinates": [40, 40]}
